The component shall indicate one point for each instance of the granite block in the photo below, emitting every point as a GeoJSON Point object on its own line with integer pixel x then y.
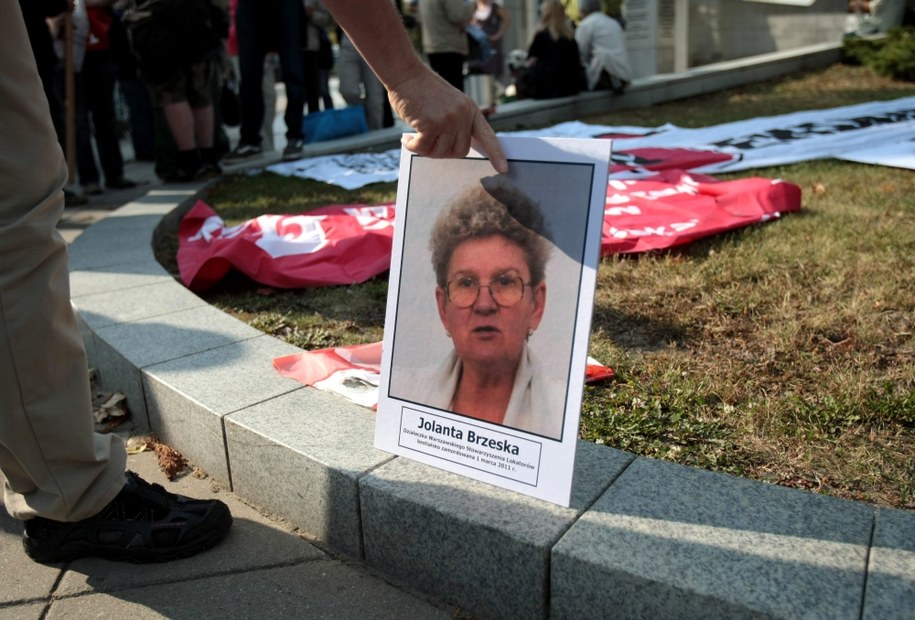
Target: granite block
{"type": "Point", "coordinates": [116, 277]}
{"type": "Point", "coordinates": [187, 397]}
{"type": "Point", "coordinates": [170, 336]}
{"type": "Point", "coordinates": [115, 373]}
{"type": "Point", "coordinates": [669, 541]}
{"type": "Point", "coordinates": [484, 548]}
{"type": "Point", "coordinates": [890, 590]}
{"type": "Point", "coordinates": [114, 241]}
{"type": "Point", "coordinates": [302, 455]}
{"type": "Point", "coordinates": [132, 304]}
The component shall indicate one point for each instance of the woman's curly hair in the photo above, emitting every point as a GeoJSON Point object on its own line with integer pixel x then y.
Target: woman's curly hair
{"type": "Point", "coordinates": [494, 207]}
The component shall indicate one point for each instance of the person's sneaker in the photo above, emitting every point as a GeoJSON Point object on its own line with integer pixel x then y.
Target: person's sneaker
{"type": "Point", "coordinates": [72, 199]}
{"type": "Point", "coordinates": [144, 523]}
{"type": "Point", "coordinates": [293, 150]}
{"type": "Point", "coordinates": [207, 171]}
{"type": "Point", "coordinates": [120, 183]}
{"type": "Point", "coordinates": [242, 152]}
{"type": "Point", "coordinates": [91, 189]}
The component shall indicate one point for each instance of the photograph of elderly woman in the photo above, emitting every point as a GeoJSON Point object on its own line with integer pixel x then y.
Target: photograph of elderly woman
{"type": "Point", "coordinates": [488, 291]}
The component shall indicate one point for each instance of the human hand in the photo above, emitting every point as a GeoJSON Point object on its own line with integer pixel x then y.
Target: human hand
{"type": "Point", "coordinates": [447, 122]}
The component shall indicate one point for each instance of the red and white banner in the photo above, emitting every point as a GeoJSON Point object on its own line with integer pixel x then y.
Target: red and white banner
{"type": "Point", "coordinates": [354, 371]}
{"type": "Point", "coordinates": [338, 244]}
{"type": "Point", "coordinates": [675, 207]}
{"type": "Point", "coordinates": [348, 244]}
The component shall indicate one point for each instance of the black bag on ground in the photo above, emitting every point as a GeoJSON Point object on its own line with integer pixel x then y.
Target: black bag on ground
{"type": "Point", "coordinates": [167, 35]}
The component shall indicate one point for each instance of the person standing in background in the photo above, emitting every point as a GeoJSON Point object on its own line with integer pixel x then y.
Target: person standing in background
{"type": "Point", "coordinates": [263, 26]}
{"type": "Point", "coordinates": [493, 19]}
{"type": "Point", "coordinates": [95, 116]}
{"type": "Point", "coordinates": [269, 81]}
{"type": "Point", "coordinates": [445, 38]}
{"type": "Point", "coordinates": [358, 84]}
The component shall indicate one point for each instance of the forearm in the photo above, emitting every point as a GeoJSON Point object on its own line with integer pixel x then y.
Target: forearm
{"type": "Point", "coordinates": [391, 56]}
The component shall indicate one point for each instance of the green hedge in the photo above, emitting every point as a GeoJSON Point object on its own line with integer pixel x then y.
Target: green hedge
{"type": "Point", "coordinates": [892, 56]}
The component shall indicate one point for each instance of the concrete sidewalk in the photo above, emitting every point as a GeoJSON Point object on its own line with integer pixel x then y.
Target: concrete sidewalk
{"type": "Point", "coordinates": [263, 569]}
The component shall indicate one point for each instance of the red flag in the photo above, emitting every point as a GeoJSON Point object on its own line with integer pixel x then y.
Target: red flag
{"type": "Point", "coordinates": [338, 244]}
{"type": "Point", "coordinates": [675, 207]}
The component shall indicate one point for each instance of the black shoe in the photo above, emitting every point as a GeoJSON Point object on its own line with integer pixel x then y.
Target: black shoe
{"type": "Point", "coordinates": [207, 171]}
{"type": "Point", "coordinates": [72, 199]}
{"type": "Point", "coordinates": [91, 189]}
{"type": "Point", "coordinates": [293, 150]}
{"type": "Point", "coordinates": [120, 183]}
{"type": "Point", "coordinates": [242, 152]}
{"type": "Point", "coordinates": [144, 523]}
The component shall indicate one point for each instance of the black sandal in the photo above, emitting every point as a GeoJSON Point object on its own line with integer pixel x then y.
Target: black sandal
{"type": "Point", "coordinates": [144, 523]}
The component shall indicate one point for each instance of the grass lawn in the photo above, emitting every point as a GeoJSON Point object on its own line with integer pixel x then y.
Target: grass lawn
{"type": "Point", "coordinates": [783, 352]}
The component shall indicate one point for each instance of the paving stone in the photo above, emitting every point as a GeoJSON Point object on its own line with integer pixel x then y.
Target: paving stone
{"type": "Point", "coordinates": [114, 241]}
{"type": "Point", "coordinates": [669, 541]}
{"type": "Point", "coordinates": [302, 454]}
{"type": "Point", "coordinates": [116, 278]}
{"type": "Point", "coordinates": [23, 581]}
{"type": "Point", "coordinates": [315, 590]}
{"type": "Point", "coordinates": [186, 398]}
{"type": "Point", "coordinates": [471, 543]}
{"type": "Point", "coordinates": [891, 569]}
{"type": "Point", "coordinates": [135, 303]}
{"type": "Point", "coordinates": [165, 337]}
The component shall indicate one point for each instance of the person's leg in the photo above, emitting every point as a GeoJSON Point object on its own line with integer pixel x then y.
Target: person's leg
{"type": "Point", "coordinates": [180, 121]}
{"type": "Point", "coordinates": [289, 46]}
{"type": "Point", "coordinates": [375, 97]}
{"type": "Point", "coordinates": [55, 465]}
{"type": "Point", "coordinates": [268, 88]}
{"type": "Point", "coordinates": [201, 96]}
{"type": "Point", "coordinates": [142, 123]}
{"type": "Point", "coordinates": [86, 169]}
{"type": "Point", "coordinates": [350, 73]}
{"type": "Point", "coordinates": [67, 482]}
{"type": "Point", "coordinates": [312, 81]}
{"type": "Point", "coordinates": [252, 48]}
{"type": "Point", "coordinates": [99, 78]}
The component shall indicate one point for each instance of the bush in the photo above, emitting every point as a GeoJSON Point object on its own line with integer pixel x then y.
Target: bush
{"type": "Point", "coordinates": [892, 56]}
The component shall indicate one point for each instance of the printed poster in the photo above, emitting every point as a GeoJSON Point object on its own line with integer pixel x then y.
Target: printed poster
{"type": "Point", "coordinates": [489, 312]}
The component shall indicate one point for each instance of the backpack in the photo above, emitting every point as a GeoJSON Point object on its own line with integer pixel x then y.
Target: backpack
{"type": "Point", "coordinates": [168, 35]}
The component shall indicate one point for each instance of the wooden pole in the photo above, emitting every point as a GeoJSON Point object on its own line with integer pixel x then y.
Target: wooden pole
{"type": "Point", "coordinates": [70, 98]}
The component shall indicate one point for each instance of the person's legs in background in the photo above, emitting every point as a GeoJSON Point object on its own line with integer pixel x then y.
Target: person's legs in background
{"type": "Point", "coordinates": [187, 105]}
{"type": "Point", "coordinates": [99, 76]}
{"type": "Point", "coordinates": [251, 23]}
{"type": "Point", "coordinates": [288, 28]}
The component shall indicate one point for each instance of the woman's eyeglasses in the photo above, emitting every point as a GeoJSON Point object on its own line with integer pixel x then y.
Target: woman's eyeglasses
{"type": "Point", "coordinates": [506, 290]}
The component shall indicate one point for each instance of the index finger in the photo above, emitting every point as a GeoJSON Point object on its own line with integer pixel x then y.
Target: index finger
{"type": "Point", "coordinates": [484, 139]}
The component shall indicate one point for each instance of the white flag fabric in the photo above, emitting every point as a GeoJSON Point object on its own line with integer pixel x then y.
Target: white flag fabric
{"type": "Point", "coordinates": [877, 132]}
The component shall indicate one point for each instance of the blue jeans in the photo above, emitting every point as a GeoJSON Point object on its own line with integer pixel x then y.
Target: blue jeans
{"type": "Point", "coordinates": [263, 26]}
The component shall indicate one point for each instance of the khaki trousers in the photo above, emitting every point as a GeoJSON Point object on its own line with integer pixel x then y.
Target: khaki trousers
{"type": "Point", "coordinates": [55, 465]}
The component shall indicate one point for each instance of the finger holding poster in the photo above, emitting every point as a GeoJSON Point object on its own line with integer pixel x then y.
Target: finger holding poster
{"type": "Point", "coordinates": [489, 310]}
